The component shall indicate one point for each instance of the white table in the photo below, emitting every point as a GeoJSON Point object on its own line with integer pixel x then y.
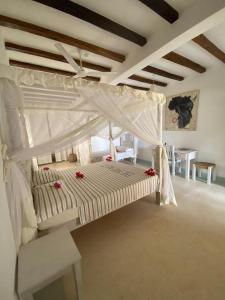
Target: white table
{"type": "Point", "coordinates": [186, 155]}
{"type": "Point", "coordinates": [45, 260]}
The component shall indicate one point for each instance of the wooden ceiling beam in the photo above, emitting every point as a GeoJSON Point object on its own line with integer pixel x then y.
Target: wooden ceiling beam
{"type": "Point", "coordinates": [59, 37]}
{"type": "Point", "coordinates": [96, 19]}
{"type": "Point", "coordinates": [206, 44]}
{"type": "Point", "coordinates": [134, 86]}
{"type": "Point", "coordinates": [162, 73]}
{"type": "Point", "coordinates": [147, 80]}
{"type": "Point", "coordinates": [163, 9]}
{"type": "Point", "coordinates": [185, 62]}
{"type": "Point", "coordinates": [50, 55]}
{"type": "Point", "coordinates": [16, 63]}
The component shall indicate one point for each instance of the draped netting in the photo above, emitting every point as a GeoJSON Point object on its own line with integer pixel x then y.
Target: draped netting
{"type": "Point", "coordinates": [87, 107]}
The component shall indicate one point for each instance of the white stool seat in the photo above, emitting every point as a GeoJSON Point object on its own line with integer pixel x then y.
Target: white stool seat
{"type": "Point", "coordinates": [46, 259]}
{"type": "Point", "coordinates": [210, 167]}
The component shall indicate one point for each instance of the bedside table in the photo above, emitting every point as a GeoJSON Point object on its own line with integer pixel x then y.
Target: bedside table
{"type": "Point", "coordinates": [45, 260]}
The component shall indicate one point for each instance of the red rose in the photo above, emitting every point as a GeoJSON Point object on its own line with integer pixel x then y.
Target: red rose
{"type": "Point", "coordinates": [108, 158]}
{"type": "Point", "coordinates": [150, 172]}
{"type": "Point", "coordinates": [46, 168]}
{"type": "Point", "coordinates": [57, 185]}
{"type": "Point", "coordinates": [79, 174]}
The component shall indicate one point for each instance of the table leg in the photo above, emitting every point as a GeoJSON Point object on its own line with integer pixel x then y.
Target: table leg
{"type": "Point", "coordinates": [194, 172]}
{"type": "Point", "coordinates": [153, 161]}
{"type": "Point", "coordinates": [78, 279]}
{"type": "Point", "coordinates": [214, 174]}
{"type": "Point", "coordinates": [173, 166]}
{"type": "Point", "coordinates": [209, 175]}
{"type": "Point", "coordinates": [187, 168]}
{"type": "Point", "coordinates": [179, 169]}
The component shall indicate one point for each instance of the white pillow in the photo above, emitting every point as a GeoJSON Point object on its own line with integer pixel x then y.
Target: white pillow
{"type": "Point", "coordinates": [50, 202]}
{"type": "Point", "coordinates": [44, 176]}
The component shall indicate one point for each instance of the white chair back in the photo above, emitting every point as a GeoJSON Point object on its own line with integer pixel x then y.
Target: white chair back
{"type": "Point", "coordinates": [170, 149]}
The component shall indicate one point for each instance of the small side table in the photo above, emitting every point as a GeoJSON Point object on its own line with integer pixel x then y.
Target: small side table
{"type": "Point", "coordinates": [210, 167]}
{"type": "Point", "coordinates": [45, 260]}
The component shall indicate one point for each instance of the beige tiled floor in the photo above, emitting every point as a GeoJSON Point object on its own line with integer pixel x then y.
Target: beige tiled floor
{"type": "Point", "coordinates": [147, 252]}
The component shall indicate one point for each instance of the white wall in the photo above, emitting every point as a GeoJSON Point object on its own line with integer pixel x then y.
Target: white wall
{"type": "Point", "coordinates": [209, 138]}
{"type": "Point", "coordinates": [7, 247]}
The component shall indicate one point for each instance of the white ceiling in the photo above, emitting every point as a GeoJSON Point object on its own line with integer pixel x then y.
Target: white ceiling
{"type": "Point", "coordinates": [129, 13]}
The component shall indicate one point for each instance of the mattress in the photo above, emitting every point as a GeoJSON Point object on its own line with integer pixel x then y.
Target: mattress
{"type": "Point", "coordinates": [106, 187]}
{"type": "Point", "coordinates": [53, 206]}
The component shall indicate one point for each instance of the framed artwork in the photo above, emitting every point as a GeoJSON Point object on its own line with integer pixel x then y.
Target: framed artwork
{"type": "Point", "coordinates": [182, 111]}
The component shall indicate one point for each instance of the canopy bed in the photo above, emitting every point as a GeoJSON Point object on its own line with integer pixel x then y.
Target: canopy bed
{"type": "Point", "coordinates": [87, 108]}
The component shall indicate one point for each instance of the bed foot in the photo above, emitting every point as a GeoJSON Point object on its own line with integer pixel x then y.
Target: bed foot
{"type": "Point", "coordinates": [158, 198]}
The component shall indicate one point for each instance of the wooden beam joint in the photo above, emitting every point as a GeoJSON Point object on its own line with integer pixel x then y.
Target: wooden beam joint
{"type": "Point", "coordinates": [162, 73]}
{"type": "Point", "coordinates": [206, 44]}
{"type": "Point", "coordinates": [147, 80]}
{"type": "Point", "coordinates": [163, 9]}
{"type": "Point", "coordinates": [185, 62]}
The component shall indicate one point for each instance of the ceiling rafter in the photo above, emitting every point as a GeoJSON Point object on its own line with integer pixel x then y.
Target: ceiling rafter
{"type": "Point", "coordinates": [163, 9]}
{"type": "Point", "coordinates": [162, 73]}
{"type": "Point", "coordinates": [16, 63]}
{"type": "Point", "coordinates": [147, 80]}
{"type": "Point", "coordinates": [134, 86]}
{"type": "Point", "coordinates": [184, 61]}
{"type": "Point", "coordinates": [206, 44]}
{"type": "Point", "coordinates": [54, 56]}
{"type": "Point", "coordinates": [96, 19]}
{"type": "Point", "coordinates": [199, 17]}
{"type": "Point", "coordinates": [53, 35]}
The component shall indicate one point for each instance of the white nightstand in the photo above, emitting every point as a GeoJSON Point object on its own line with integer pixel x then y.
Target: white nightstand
{"type": "Point", "coordinates": [45, 260]}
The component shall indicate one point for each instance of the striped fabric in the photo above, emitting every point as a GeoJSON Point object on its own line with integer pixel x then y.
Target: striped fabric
{"type": "Point", "coordinates": [49, 201]}
{"type": "Point", "coordinates": [42, 177]}
{"type": "Point", "coordinates": [106, 187]}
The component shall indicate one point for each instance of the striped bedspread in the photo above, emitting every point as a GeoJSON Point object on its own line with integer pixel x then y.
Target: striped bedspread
{"type": "Point", "coordinates": [106, 187]}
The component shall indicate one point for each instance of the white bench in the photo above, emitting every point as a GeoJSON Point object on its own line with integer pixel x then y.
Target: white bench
{"type": "Point", "coordinates": [46, 259]}
{"type": "Point", "coordinates": [210, 167]}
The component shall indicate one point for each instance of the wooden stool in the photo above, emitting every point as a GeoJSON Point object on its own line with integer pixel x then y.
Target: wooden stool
{"type": "Point", "coordinates": [203, 165]}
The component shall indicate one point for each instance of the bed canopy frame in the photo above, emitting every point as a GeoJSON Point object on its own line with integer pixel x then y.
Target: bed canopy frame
{"type": "Point", "coordinates": [87, 108]}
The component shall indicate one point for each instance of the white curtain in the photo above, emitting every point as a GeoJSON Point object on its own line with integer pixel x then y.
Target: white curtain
{"type": "Point", "coordinates": [13, 134]}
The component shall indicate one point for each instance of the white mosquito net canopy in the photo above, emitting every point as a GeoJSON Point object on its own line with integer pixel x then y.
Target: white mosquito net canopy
{"type": "Point", "coordinates": [76, 109]}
